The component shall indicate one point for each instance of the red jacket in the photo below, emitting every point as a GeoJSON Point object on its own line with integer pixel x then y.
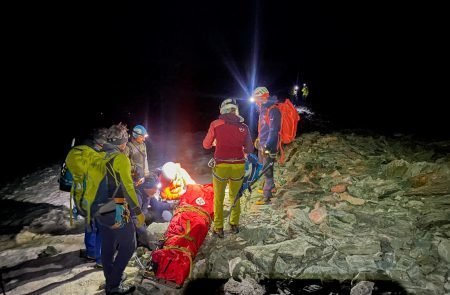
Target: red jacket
{"type": "Point", "coordinates": [232, 139]}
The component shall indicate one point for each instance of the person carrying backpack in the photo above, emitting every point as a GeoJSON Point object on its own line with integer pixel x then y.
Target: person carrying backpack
{"type": "Point", "coordinates": [76, 163]}
{"type": "Point", "coordinates": [232, 140]}
{"type": "Point", "coordinates": [114, 216]}
{"type": "Point", "coordinates": [269, 126]}
{"type": "Point", "coordinates": [277, 125]}
{"type": "Point", "coordinates": [136, 150]}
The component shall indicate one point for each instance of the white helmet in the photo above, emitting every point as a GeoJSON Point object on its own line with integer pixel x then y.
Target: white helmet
{"type": "Point", "coordinates": [169, 170]}
{"type": "Point", "coordinates": [228, 105]}
{"type": "Point", "coordinates": [261, 92]}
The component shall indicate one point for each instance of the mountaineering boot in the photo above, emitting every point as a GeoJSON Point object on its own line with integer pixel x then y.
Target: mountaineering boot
{"type": "Point", "coordinates": [263, 201]}
{"type": "Point", "coordinates": [234, 228]}
{"type": "Point", "coordinates": [123, 278]}
{"type": "Point", "coordinates": [83, 254]}
{"type": "Point", "coordinates": [121, 290]}
{"type": "Point", "coordinates": [219, 232]}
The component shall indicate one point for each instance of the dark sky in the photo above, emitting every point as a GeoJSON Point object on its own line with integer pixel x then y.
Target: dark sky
{"type": "Point", "coordinates": [368, 65]}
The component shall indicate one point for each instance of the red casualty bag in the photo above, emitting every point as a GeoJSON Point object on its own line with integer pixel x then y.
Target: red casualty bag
{"type": "Point", "coordinates": [185, 234]}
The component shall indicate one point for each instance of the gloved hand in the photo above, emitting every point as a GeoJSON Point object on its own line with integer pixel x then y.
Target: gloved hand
{"type": "Point", "coordinates": [173, 205]}
{"type": "Point", "coordinates": [268, 153]}
{"type": "Point", "coordinates": [140, 217]}
{"type": "Point", "coordinates": [140, 220]}
{"type": "Point", "coordinates": [139, 181]}
{"type": "Point", "coordinates": [256, 144]}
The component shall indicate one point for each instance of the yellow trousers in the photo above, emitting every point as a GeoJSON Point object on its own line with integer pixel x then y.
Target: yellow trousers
{"type": "Point", "coordinates": [233, 175]}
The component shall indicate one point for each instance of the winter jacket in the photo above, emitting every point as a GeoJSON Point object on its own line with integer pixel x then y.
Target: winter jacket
{"type": "Point", "coordinates": [122, 174]}
{"type": "Point", "coordinates": [232, 139]}
{"type": "Point", "coordinates": [137, 152]}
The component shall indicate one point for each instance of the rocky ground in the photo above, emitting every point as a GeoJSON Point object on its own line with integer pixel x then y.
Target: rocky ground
{"type": "Point", "coordinates": [369, 212]}
{"type": "Point", "coordinates": [352, 215]}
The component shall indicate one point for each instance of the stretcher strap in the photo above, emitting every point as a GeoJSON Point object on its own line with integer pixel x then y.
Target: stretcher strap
{"type": "Point", "coordinates": [185, 235]}
{"type": "Point", "coordinates": [184, 251]}
{"type": "Point", "coordinates": [190, 208]}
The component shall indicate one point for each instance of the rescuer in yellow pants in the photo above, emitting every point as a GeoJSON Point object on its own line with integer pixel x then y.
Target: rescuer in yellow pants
{"type": "Point", "coordinates": [233, 175]}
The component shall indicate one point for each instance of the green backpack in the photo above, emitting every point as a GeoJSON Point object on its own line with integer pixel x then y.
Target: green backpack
{"type": "Point", "coordinates": [88, 168]}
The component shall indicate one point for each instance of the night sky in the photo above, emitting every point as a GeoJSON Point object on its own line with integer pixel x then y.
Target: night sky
{"type": "Point", "coordinates": [72, 66]}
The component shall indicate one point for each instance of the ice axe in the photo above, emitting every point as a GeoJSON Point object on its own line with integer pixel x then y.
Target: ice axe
{"type": "Point", "coordinates": [247, 185]}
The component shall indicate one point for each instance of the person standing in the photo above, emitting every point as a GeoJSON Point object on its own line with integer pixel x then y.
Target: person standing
{"type": "Point", "coordinates": [232, 141]}
{"type": "Point", "coordinates": [269, 126]}
{"type": "Point", "coordinates": [136, 150]}
{"type": "Point", "coordinates": [305, 93]}
{"type": "Point", "coordinates": [114, 217]}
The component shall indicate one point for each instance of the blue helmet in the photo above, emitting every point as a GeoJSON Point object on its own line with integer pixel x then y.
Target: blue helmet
{"type": "Point", "coordinates": [139, 130]}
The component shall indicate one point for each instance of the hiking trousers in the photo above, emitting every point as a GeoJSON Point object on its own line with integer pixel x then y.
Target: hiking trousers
{"type": "Point", "coordinates": [269, 182]}
{"type": "Point", "coordinates": [233, 175]}
{"type": "Point", "coordinates": [122, 241]}
{"type": "Point", "coordinates": [93, 241]}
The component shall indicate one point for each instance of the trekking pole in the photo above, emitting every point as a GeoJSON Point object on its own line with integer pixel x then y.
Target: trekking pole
{"type": "Point", "coordinates": [241, 192]}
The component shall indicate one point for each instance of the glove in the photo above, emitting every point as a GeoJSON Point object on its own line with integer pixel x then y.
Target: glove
{"type": "Point", "coordinates": [139, 181]}
{"type": "Point", "coordinates": [140, 217]}
{"type": "Point", "coordinates": [140, 220]}
{"type": "Point", "coordinates": [257, 145]}
{"type": "Point", "coordinates": [174, 204]}
{"type": "Point", "coordinates": [269, 154]}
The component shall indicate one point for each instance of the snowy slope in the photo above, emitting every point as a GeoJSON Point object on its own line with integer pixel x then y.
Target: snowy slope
{"type": "Point", "coordinates": [36, 215]}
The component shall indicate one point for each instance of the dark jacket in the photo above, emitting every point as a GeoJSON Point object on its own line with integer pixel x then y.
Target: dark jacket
{"type": "Point", "coordinates": [268, 132]}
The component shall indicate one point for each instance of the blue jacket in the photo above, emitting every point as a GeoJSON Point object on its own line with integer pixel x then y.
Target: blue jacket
{"type": "Point", "coordinates": [268, 133]}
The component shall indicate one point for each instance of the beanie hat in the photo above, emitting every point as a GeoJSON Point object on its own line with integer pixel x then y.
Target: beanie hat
{"type": "Point", "coordinates": [150, 183]}
{"type": "Point", "coordinates": [117, 134]}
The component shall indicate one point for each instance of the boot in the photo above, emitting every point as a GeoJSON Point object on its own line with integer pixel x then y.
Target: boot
{"type": "Point", "coordinates": [124, 277]}
{"type": "Point", "coordinates": [83, 254]}
{"type": "Point", "coordinates": [121, 290]}
{"type": "Point", "coordinates": [219, 232]}
{"type": "Point", "coordinates": [234, 228]}
{"type": "Point", "coordinates": [263, 201]}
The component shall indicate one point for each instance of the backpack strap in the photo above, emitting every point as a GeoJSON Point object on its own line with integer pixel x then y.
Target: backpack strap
{"type": "Point", "coordinates": [110, 169]}
{"type": "Point", "coordinates": [137, 149]}
{"type": "Point", "coordinates": [143, 155]}
{"type": "Point", "coordinates": [266, 115]}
